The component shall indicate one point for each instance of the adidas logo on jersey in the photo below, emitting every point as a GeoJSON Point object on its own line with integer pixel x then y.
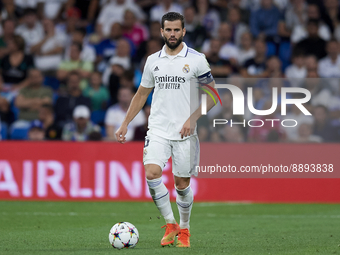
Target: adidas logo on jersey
{"type": "Point", "coordinates": [156, 69]}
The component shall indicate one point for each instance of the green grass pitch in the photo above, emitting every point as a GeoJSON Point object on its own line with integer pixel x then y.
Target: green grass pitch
{"type": "Point", "coordinates": [216, 228]}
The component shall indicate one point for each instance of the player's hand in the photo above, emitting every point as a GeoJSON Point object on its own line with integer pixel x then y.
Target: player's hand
{"type": "Point", "coordinates": [120, 134]}
{"type": "Point", "coordinates": [186, 129]}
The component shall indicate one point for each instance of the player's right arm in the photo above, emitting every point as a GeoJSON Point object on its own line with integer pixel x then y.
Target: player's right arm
{"type": "Point", "coordinates": [137, 103]}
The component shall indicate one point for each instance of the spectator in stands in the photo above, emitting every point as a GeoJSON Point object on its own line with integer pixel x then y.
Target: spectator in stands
{"type": "Point", "coordinates": [321, 90]}
{"type": "Point", "coordinates": [274, 79]}
{"type": "Point", "coordinates": [88, 53]}
{"type": "Point", "coordinates": [113, 12]}
{"type": "Point", "coordinates": [9, 10]}
{"type": "Point", "coordinates": [203, 133]}
{"type": "Point", "coordinates": [220, 68]}
{"type": "Point", "coordinates": [155, 30]}
{"type": "Point", "coordinates": [15, 65]}
{"type": "Point", "coordinates": [151, 47]}
{"type": "Point", "coordinates": [313, 44]}
{"type": "Point", "coordinates": [157, 41]}
{"type": "Point", "coordinates": [256, 67]}
{"type": "Point", "coordinates": [264, 21]}
{"type": "Point", "coordinates": [297, 70]}
{"type": "Point", "coordinates": [96, 36]}
{"type": "Point", "coordinates": [163, 7]}
{"type": "Point", "coordinates": [140, 131]}
{"type": "Point", "coordinates": [95, 136]}
{"type": "Point", "coordinates": [107, 48]}
{"type": "Point", "coordinates": [209, 17]}
{"type": "Point", "coordinates": [117, 72]}
{"type": "Point", "coordinates": [274, 67]}
{"type": "Point", "coordinates": [305, 134]}
{"type": "Point", "coordinates": [227, 110]}
{"type": "Point", "coordinates": [122, 57]}
{"type": "Point", "coordinates": [46, 116]}
{"type": "Point", "coordinates": [322, 126]}
{"type": "Point", "coordinates": [97, 93]}
{"type": "Point", "coordinates": [88, 10]}
{"type": "Point", "coordinates": [31, 29]}
{"type": "Point", "coordinates": [81, 127]}
{"type": "Point", "coordinates": [295, 15]}
{"type": "Point", "coordinates": [232, 134]}
{"type": "Point", "coordinates": [215, 137]}
{"type": "Point", "coordinates": [300, 32]}
{"type": "Point", "coordinates": [259, 100]}
{"type": "Point", "coordinates": [228, 50]}
{"type": "Point", "coordinates": [65, 105]}
{"type": "Point", "coordinates": [225, 6]}
{"type": "Point", "coordinates": [6, 115]}
{"type": "Point", "coordinates": [127, 80]}
{"type": "Point", "coordinates": [8, 27]}
{"type": "Point", "coordinates": [333, 12]}
{"type": "Point", "coordinates": [51, 9]}
{"type": "Point", "coordinates": [195, 32]}
{"type": "Point", "coordinates": [22, 6]}
{"type": "Point", "coordinates": [33, 96]}
{"type": "Point", "coordinates": [36, 131]}
{"type": "Point", "coordinates": [72, 21]}
{"type": "Point", "coordinates": [262, 133]}
{"type": "Point", "coordinates": [48, 51]}
{"type": "Point", "coordinates": [311, 63]}
{"type": "Point", "coordinates": [132, 30]}
{"type": "Point", "coordinates": [329, 67]}
{"type": "Point", "coordinates": [84, 68]}
{"type": "Point", "coordinates": [237, 27]}
{"type": "Point", "coordinates": [246, 49]}
{"type": "Point", "coordinates": [116, 114]}
{"type": "Point", "coordinates": [256, 4]}
{"type": "Point", "coordinates": [296, 114]}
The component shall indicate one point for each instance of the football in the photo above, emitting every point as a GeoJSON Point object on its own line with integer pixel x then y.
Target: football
{"type": "Point", "coordinates": [123, 235]}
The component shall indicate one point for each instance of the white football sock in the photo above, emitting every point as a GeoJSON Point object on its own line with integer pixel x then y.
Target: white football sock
{"type": "Point", "coordinates": [160, 196]}
{"type": "Point", "coordinates": [184, 201]}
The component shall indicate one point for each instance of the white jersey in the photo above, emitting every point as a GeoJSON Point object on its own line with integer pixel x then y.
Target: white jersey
{"type": "Point", "coordinates": [170, 76]}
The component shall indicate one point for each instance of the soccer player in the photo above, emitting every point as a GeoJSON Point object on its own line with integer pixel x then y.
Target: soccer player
{"type": "Point", "coordinates": [172, 130]}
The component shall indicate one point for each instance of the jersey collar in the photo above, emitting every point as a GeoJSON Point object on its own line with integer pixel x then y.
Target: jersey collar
{"type": "Point", "coordinates": [183, 53]}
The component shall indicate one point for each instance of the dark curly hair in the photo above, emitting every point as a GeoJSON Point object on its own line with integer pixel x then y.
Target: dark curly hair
{"type": "Point", "coordinates": [172, 16]}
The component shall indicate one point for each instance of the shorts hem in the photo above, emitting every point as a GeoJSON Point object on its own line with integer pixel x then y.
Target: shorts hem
{"type": "Point", "coordinates": [155, 162]}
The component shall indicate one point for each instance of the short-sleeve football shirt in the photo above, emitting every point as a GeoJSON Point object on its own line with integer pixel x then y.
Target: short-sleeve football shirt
{"type": "Point", "coordinates": [172, 78]}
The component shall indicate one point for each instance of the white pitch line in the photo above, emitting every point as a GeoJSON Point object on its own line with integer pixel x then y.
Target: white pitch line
{"type": "Point", "coordinates": [223, 204]}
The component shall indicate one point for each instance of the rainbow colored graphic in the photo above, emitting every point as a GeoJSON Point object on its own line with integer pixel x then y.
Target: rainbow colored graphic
{"type": "Point", "coordinates": [209, 93]}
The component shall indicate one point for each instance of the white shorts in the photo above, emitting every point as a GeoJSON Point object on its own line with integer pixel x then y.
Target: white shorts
{"type": "Point", "coordinates": [185, 154]}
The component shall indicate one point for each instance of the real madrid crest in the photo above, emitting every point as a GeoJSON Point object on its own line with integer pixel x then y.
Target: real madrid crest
{"type": "Point", "coordinates": [186, 69]}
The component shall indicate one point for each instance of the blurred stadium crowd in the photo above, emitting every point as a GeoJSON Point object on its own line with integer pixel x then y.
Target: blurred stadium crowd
{"type": "Point", "coordinates": [69, 68]}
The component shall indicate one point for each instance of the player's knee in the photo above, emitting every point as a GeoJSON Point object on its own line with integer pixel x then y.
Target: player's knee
{"type": "Point", "coordinates": [153, 172]}
{"type": "Point", "coordinates": [152, 176]}
{"type": "Point", "coordinates": [183, 184]}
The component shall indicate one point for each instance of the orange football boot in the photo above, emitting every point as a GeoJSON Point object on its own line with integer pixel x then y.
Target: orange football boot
{"type": "Point", "coordinates": [171, 231]}
{"type": "Point", "coordinates": [183, 239]}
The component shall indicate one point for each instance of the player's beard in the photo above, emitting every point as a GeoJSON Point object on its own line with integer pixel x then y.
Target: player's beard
{"type": "Point", "coordinates": [173, 45]}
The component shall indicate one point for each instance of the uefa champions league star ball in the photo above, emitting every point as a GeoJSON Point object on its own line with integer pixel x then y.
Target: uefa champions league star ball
{"type": "Point", "coordinates": [123, 235]}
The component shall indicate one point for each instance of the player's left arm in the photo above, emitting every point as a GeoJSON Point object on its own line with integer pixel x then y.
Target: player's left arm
{"type": "Point", "coordinates": [204, 76]}
{"type": "Point", "coordinates": [189, 126]}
